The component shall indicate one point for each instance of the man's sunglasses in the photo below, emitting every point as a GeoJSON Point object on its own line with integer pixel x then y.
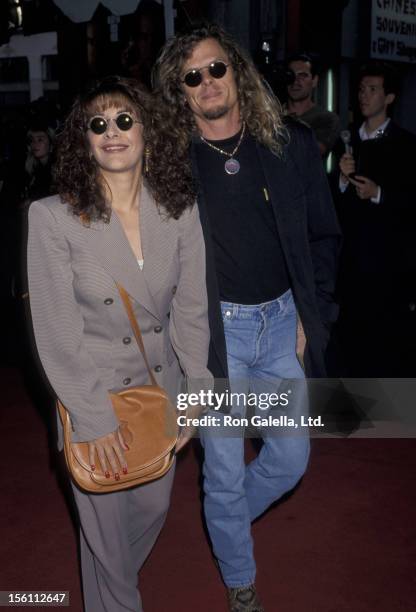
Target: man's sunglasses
{"type": "Point", "coordinates": [217, 70]}
{"type": "Point", "coordinates": [99, 125]}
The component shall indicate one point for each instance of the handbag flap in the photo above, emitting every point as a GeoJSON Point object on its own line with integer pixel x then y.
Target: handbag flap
{"type": "Point", "coordinates": [148, 424]}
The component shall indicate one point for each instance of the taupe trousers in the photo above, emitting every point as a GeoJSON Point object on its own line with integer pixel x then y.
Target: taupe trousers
{"type": "Point", "coordinates": [117, 533]}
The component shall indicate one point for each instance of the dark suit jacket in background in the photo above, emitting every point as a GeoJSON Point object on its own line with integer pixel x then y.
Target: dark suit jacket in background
{"type": "Point", "coordinates": [310, 237]}
{"type": "Point", "coordinates": [379, 255]}
{"type": "Point", "coordinates": [377, 281]}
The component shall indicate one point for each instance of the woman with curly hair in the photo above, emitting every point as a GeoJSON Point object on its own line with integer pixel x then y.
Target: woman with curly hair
{"type": "Point", "coordinates": [124, 214]}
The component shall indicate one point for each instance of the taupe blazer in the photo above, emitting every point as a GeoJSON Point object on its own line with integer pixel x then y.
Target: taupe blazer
{"type": "Point", "coordinates": [83, 336]}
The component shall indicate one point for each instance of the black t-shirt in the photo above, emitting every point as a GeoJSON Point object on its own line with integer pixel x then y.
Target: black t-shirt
{"type": "Point", "coordinates": [248, 253]}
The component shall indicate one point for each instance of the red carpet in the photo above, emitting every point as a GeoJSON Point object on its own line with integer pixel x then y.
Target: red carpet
{"type": "Point", "coordinates": [345, 541]}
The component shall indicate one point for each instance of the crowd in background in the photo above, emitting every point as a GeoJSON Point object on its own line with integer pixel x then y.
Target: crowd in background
{"type": "Point", "coordinates": [26, 159]}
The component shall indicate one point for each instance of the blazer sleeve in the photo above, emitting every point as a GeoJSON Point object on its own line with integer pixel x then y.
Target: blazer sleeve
{"type": "Point", "coordinates": [323, 228]}
{"type": "Point", "coordinates": [58, 329]}
{"type": "Point", "coordinates": [189, 328]}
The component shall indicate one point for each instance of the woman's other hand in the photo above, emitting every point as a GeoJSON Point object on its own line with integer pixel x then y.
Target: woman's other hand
{"type": "Point", "coordinates": [300, 343]}
{"type": "Point", "coordinates": [188, 431]}
{"type": "Point", "coordinates": [110, 452]}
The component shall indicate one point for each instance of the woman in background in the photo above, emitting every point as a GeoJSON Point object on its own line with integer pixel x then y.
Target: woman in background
{"type": "Point", "coordinates": [38, 165]}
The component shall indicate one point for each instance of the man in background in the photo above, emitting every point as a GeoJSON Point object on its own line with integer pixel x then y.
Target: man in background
{"type": "Point", "coordinates": [377, 288]}
{"type": "Point", "coordinates": [300, 103]}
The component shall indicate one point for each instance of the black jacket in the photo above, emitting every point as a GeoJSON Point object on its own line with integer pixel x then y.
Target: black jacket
{"type": "Point", "coordinates": [379, 255]}
{"type": "Point", "coordinates": [310, 238]}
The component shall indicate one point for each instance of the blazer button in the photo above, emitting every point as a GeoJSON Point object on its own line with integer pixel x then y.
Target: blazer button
{"type": "Point", "coordinates": [126, 340]}
{"type": "Point", "coordinates": [108, 301]}
{"type": "Point", "coordinates": [174, 289]}
{"type": "Point", "coordinates": [158, 368]}
{"type": "Point", "coordinates": [127, 381]}
{"type": "Point", "coordinates": [157, 329]}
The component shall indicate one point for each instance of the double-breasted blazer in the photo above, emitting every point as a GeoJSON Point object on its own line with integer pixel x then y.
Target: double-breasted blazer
{"type": "Point", "coordinates": [83, 336]}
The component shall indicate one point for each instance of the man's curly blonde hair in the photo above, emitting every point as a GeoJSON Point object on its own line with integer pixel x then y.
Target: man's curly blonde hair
{"type": "Point", "coordinates": [259, 108]}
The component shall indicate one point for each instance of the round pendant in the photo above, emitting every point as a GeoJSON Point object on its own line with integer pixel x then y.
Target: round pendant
{"type": "Point", "coordinates": [232, 166]}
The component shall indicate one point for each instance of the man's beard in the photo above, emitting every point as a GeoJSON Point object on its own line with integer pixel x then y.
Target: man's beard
{"type": "Point", "coordinates": [215, 113]}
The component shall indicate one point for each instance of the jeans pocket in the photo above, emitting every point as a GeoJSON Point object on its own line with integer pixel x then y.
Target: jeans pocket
{"type": "Point", "coordinates": [288, 308]}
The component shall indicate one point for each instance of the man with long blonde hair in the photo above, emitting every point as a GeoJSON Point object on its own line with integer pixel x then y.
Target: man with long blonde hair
{"type": "Point", "coordinates": [272, 242]}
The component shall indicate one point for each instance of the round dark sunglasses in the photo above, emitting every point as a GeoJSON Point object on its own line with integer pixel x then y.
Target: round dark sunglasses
{"type": "Point", "coordinates": [217, 70]}
{"type": "Point", "coordinates": [99, 125]}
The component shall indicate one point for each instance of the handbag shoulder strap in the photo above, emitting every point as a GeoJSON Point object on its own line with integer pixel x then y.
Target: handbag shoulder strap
{"type": "Point", "coordinates": [136, 329]}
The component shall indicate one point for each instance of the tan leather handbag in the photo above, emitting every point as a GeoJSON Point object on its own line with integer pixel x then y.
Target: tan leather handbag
{"type": "Point", "coordinates": [148, 424]}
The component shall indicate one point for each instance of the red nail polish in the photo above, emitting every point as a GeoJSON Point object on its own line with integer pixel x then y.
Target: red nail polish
{"type": "Point", "coordinates": [107, 474]}
{"type": "Point", "coordinates": [93, 468]}
{"type": "Point", "coordinates": [117, 476]}
{"type": "Point", "coordinates": [124, 470]}
{"type": "Point", "coordinates": [127, 446]}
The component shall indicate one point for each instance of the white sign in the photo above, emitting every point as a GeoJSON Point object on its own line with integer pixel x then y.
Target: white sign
{"type": "Point", "coordinates": [393, 30]}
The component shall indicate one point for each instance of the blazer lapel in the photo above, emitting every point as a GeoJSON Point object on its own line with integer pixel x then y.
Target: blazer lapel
{"type": "Point", "coordinates": [111, 247]}
{"type": "Point", "coordinates": [159, 242]}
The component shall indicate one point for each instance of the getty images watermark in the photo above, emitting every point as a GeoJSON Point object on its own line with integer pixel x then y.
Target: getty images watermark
{"type": "Point", "coordinates": [228, 400]}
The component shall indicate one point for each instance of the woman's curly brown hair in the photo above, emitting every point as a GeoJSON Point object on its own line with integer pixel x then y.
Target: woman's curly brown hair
{"type": "Point", "coordinates": [76, 174]}
{"type": "Point", "coordinates": [259, 108]}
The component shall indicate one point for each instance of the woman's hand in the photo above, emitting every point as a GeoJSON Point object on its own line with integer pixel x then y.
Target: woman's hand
{"type": "Point", "coordinates": [188, 431]}
{"type": "Point", "coordinates": [300, 343]}
{"type": "Point", "coordinates": [110, 452]}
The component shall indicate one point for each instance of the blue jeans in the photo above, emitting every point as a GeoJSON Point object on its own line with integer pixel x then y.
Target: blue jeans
{"type": "Point", "coordinates": [261, 351]}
